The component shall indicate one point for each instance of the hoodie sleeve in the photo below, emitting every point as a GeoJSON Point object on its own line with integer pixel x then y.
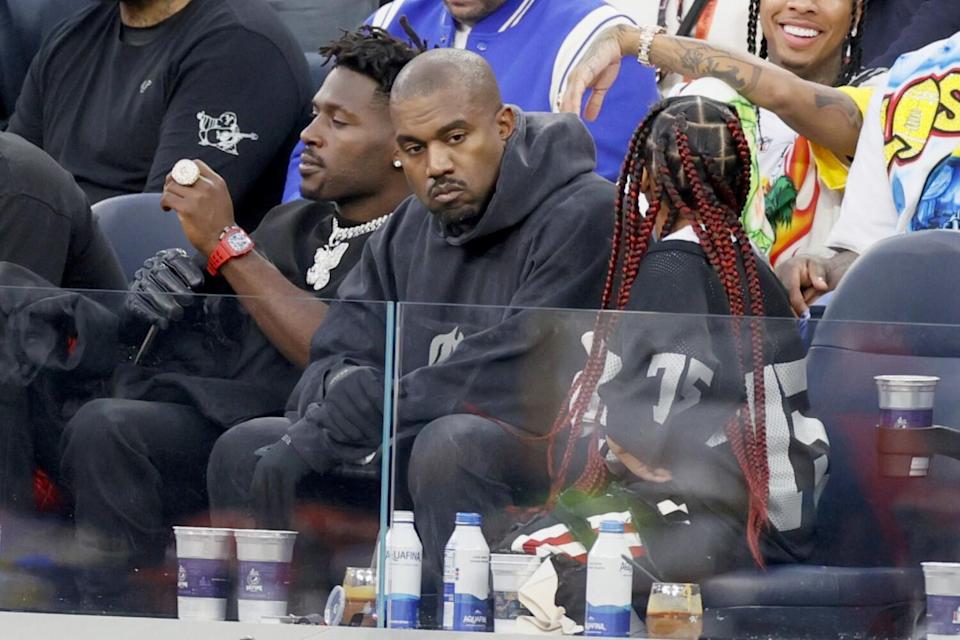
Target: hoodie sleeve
{"type": "Point", "coordinates": [507, 370]}
{"type": "Point", "coordinates": [347, 353]}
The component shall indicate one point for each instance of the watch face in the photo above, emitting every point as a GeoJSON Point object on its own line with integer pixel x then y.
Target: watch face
{"type": "Point", "coordinates": [238, 241]}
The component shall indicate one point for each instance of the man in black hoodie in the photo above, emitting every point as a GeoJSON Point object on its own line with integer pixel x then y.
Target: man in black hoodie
{"type": "Point", "coordinates": [507, 213]}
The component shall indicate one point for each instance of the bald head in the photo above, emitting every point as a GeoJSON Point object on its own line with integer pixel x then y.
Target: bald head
{"type": "Point", "coordinates": [451, 130]}
{"type": "Point", "coordinates": [455, 71]}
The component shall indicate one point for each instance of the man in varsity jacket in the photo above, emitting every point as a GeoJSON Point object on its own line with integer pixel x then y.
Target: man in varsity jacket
{"type": "Point", "coordinates": [508, 211]}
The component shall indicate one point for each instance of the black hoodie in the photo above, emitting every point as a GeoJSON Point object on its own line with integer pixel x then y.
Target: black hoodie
{"type": "Point", "coordinates": [542, 242]}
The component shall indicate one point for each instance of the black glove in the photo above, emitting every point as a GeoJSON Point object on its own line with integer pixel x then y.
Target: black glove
{"type": "Point", "coordinates": [351, 411]}
{"type": "Point", "coordinates": [163, 287]}
{"type": "Point", "coordinates": [274, 486]}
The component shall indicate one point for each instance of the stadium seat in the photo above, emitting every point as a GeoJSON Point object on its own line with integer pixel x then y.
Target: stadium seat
{"type": "Point", "coordinates": [316, 22]}
{"type": "Point", "coordinates": [137, 228]}
{"type": "Point", "coordinates": [888, 317]}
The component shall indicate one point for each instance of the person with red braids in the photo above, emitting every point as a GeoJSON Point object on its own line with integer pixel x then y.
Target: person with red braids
{"type": "Point", "coordinates": [677, 449]}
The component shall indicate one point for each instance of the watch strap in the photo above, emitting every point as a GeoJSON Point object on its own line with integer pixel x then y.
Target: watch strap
{"type": "Point", "coordinates": [224, 252]}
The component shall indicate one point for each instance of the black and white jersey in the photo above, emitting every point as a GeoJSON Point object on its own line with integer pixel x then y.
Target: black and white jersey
{"type": "Point", "coordinates": [679, 381]}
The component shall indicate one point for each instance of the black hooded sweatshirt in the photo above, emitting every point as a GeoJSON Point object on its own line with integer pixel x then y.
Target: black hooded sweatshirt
{"type": "Point", "coordinates": [542, 242]}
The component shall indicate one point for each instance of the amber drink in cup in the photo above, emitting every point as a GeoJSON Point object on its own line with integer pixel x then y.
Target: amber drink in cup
{"type": "Point", "coordinates": [674, 610]}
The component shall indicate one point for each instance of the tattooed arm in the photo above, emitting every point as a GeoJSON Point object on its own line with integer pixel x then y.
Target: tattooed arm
{"type": "Point", "coordinates": [820, 113]}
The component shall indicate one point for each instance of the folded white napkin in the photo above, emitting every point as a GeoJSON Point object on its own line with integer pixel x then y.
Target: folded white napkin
{"type": "Point", "coordinates": [538, 595]}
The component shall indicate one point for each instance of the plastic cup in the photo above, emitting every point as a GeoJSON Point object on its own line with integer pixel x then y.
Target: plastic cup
{"type": "Point", "coordinates": [510, 572]}
{"type": "Point", "coordinates": [942, 580]}
{"type": "Point", "coordinates": [203, 572]}
{"type": "Point", "coordinates": [263, 573]}
{"type": "Point", "coordinates": [906, 402]}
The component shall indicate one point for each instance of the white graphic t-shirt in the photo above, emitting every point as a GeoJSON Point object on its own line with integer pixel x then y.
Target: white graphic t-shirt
{"type": "Point", "coordinates": [906, 175]}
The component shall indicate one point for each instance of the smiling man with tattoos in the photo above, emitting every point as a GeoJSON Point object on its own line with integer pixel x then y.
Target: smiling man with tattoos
{"type": "Point", "coordinates": [807, 131]}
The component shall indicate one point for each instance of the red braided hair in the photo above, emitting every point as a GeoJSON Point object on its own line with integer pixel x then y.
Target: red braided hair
{"type": "Point", "coordinates": [706, 182]}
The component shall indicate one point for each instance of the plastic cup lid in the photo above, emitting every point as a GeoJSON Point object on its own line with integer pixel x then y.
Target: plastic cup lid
{"type": "Point", "coordinates": [513, 558]}
{"type": "Point", "coordinates": [264, 533]}
{"type": "Point", "coordinates": [333, 612]}
{"type": "Point", "coordinates": [202, 531]}
{"type": "Point", "coordinates": [952, 567]}
{"type": "Point", "coordinates": [918, 381]}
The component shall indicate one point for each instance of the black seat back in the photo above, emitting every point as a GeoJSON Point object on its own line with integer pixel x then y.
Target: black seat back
{"type": "Point", "coordinates": [137, 228]}
{"type": "Point", "coordinates": [891, 315]}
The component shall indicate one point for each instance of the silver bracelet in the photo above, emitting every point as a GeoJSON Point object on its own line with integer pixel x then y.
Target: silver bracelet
{"type": "Point", "coordinates": [647, 34]}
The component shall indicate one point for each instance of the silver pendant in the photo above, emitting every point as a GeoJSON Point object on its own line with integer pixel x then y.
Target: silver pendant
{"type": "Point", "coordinates": [325, 260]}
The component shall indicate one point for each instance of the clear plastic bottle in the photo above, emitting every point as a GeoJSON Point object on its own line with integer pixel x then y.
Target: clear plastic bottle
{"type": "Point", "coordinates": [609, 584]}
{"type": "Point", "coordinates": [450, 574]}
{"type": "Point", "coordinates": [404, 567]}
{"type": "Point", "coordinates": [471, 585]}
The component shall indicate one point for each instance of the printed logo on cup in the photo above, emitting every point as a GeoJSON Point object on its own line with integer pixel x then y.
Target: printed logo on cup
{"type": "Point", "coordinates": [943, 615]}
{"type": "Point", "coordinates": [905, 418]}
{"type": "Point", "coordinates": [202, 578]}
{"type": "Point", "coordinates": [264, 580]}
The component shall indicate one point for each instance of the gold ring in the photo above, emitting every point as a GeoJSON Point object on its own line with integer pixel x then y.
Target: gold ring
{"type": "Point", "coordinates": [185, 173]}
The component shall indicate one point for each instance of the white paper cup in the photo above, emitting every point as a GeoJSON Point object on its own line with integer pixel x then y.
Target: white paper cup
{"type": "Point", "coordinates": [203, 572]}
{"type": "Point", "coordinates": [263, 572]}
{"type": "Point", "coordinates": [906, 401]}
{"type": "Point", "coordinates": [942, 581]}
{"type": "Point", "coordinates": [510, 572]}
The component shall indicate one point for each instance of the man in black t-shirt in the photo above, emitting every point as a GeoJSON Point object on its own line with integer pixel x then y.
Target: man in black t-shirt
{"type": "Point", "coordinates": [134, 460]}
{"type": "Point", "coordinates": [124, 89]}
{"type": "Point", "coordinates": [46, 224]}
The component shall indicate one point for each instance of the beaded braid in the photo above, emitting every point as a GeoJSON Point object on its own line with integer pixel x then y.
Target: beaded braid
{"type": "Point", "coordinates": [747, 436]}
{"type": "Point", "coordinates": [716, 223]}
{"type": "Point", "coordinates": [630, 238]}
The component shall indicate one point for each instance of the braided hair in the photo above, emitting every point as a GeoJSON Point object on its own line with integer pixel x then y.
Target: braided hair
{"type": "Point", "coordinates": [696, 154]}
{"type": "Point", "coordinates": [852, 50]}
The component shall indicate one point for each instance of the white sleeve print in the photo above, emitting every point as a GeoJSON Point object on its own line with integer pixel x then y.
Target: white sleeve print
{"type": "Point", "coordinates": [868, 214]}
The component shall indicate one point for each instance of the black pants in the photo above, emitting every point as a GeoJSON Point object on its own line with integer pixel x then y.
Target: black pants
{"type": "Point", "coordinates": [468, 463]}
{"type": "Point", "coordinates": [18, 455]}
{"type": "Point", "coordinates": [231, 466]}
{"type": "Point", "coordinates": [458, 463]}
{"type": "Point", "coordinates": [134, 468]}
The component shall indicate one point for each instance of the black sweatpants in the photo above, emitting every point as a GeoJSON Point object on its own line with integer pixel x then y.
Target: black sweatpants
{"type": "Point", "coordinates": [458, 463]}
{"type": "Point", "coordinates": [134, 469]}
{"type": "Point", "coordinates": [18, 455]}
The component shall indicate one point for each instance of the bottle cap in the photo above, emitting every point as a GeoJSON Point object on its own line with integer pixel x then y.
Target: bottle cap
{"type": "Point", "coordinates": [472, 519]}
{"type": "Point", "coordinates": [611, 526]}
{"type": "Point", "coordinates": [403, 516]}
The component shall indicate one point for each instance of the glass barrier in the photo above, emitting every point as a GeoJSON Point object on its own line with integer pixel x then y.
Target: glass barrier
{"type": "Point", "coordinates": [631, 481]}
{"type": "Point", "coordinates": [644, 453]}
{"type": "Point", "coordinates": [115, 429]}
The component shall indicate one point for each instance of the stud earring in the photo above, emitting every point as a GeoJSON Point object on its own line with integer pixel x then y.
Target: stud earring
{"type": "Point", "coordinates": [397, 164]}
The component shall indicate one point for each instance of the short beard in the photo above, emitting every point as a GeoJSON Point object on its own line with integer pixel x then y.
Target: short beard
{"type": "Point", "coordinates": [464, 216]}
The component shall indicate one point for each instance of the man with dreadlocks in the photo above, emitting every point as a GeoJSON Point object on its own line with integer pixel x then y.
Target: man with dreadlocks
{"type": "Point", "coordinates": [806, 130]}
{"type": "Point", "coordinates": [707, 482]}
{"type": "Point", "coordinates": [508, 217]}
{"type": "Point", "coordinates": [136, 458]}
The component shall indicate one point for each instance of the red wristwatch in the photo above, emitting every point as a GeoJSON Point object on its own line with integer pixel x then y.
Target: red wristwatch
{"type": "Point", "coordinates": [234, 242]}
